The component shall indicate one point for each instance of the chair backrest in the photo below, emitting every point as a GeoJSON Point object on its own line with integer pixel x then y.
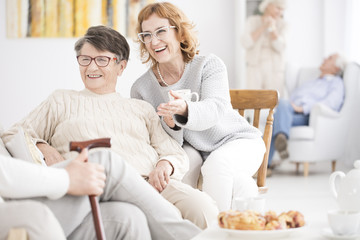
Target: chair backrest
{"type": "Point", "coordinates": [351, 112]}
{"type": "Point", "coordinates": [351, 81]}
{"type": "Point", "coordinates": [257, 100]}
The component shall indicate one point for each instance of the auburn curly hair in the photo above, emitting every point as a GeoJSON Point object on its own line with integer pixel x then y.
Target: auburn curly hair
{"type": "Point", "coordinates": [184, 28]}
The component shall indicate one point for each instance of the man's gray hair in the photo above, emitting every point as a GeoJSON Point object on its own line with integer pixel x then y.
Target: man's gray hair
{"type": "Point", "coordinates": [340, 63]}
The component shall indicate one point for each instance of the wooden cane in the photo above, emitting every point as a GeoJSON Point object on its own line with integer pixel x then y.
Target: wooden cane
{"type": "Point", "coordinates": [95, 208]}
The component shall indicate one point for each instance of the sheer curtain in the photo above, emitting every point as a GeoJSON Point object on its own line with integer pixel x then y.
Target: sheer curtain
{"type": "Point", "coordinates": [352, 52]}
{"type": "Point", "coordinates": [352, 30]}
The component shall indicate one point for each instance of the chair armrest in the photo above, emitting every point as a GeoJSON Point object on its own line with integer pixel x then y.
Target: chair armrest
{"type": "Point", "coordinates": [321, 110]}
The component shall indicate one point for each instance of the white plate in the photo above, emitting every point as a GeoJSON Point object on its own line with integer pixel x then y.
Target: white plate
{"type": "Point", "coordinates": [261, 234]}
{"type": "Point", "coordinates": [327, 232]}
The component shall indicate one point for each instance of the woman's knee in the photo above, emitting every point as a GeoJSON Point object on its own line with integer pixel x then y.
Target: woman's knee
{"type": "Point", "coordinates": [194, 205]}
{"type": "Point", "coordinates": [195, 163]}
{"type": "Point", "coordinates": [200, 208]}
{"type": "Point", "coordinates": [216, 164]}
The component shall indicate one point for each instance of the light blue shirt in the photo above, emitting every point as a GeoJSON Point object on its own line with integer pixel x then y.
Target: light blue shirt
{"type": "Point", "coordinates": [328, 90]}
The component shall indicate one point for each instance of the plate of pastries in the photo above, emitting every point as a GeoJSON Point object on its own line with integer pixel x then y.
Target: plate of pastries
{"type": "Point", "coordinates": [252, 224]}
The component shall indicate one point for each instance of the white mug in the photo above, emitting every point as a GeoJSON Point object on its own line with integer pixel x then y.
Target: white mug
{"type": "Point", "coordinates": [344, 223]}
{"type": "Point", "coordinates": [185, 94]}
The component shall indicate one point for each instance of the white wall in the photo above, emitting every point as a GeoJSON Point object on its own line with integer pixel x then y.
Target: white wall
{"type": "Point", "coordinates": [32, 68]}
{"type": "Point", "coordinates": [305, 38]}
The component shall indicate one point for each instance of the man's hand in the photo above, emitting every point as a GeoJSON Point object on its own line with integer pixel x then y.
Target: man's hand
{"type": "Point", "coordinates": [51, 155]}
{"type": "Point", "coordinates": [298, 109]}
{"type": "Point", "coordinates": [160, 176]}
{"type": "Point", "coordinates": [85, 178]}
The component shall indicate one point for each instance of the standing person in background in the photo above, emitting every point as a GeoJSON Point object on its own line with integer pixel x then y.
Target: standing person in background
{"type": "Point", "coordinates": [264, 41]}
{"type": "Point", "coordinates": [232, 149]}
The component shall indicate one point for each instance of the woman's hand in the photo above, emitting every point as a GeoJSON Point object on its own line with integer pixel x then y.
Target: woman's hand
{"type": "Point", "coordinates": [85, 178]}
{"type": "Point", "coordinates": [176, 106]}
{"type": "Point", "coordinates": [51, 155]}
{"type": "Point", "coordinates": [160, 176]}
{"type": "Point", "coordinates": [269, 22]}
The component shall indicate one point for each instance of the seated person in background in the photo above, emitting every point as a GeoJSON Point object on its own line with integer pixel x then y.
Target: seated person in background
{"type": "Point", "coordinates": [131, 209]}
{"type": "Point", "coordinates": [134, 127]}
{"type": "Point", "coordinates": [328, 89]}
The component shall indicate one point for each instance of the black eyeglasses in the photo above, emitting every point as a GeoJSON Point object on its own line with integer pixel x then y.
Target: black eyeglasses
{"type": "Point", "coordinates": [100, 61]}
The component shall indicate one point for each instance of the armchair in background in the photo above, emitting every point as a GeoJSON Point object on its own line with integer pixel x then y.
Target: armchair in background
{"type": "Point", "coordinates": [325, 137]}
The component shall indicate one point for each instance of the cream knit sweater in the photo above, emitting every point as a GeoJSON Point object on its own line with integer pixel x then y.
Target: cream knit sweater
{"type": "Point", "coordinates": [133, 126]}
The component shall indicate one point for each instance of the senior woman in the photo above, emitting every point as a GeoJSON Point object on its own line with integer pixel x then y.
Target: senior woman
{"type": "Point", "coordinates": [133, 125]}
{"type": "Point", "coordinates": [231, 148]}
{"type": "Point", "coordinates": [264, 39]}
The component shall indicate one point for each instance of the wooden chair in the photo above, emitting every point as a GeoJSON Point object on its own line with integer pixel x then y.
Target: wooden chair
{"type": "Point", "coordinates": [95, 208]}
{"type": "Point", "coordinates": [257, 100]}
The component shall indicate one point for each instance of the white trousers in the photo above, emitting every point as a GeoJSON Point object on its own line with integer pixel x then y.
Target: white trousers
{"type": "Point", "coordinates": [195, 162]}
{"type": "Point", "coordinates": [227, 172]}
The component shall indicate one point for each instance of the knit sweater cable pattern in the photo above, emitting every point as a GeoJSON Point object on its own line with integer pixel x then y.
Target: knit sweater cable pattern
{"type": "Point", "coordinates": [133, 126]}
{"type": "Point", "coordinates": [212, 121]}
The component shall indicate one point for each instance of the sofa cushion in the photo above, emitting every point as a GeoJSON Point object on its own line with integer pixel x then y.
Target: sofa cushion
{"type": "Point", "coordinates": [302, 133]}
{"type": "Point", "coordinates": [3, 150]}
{"type": "Point", "coordinates": [22, 147]}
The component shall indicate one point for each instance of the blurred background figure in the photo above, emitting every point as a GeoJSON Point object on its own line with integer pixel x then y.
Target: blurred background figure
{"type": "Point", "coordinates": [264, 41]}
{"type": "Point", "coordinates": [328, 88]}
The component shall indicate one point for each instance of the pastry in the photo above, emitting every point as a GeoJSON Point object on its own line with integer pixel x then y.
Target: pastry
{"type": "Point", "coordinates": [297, 218]}
{"type": "Point", "coordinates": [252, 220]}
{"type": "Point", "coordinates": [245, 220]}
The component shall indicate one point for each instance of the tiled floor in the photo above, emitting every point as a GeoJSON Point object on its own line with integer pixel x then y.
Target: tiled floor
{"type": "Point", "coordinates": [310, 195]}
{"type": "Point", "coordinates": [288, 190]}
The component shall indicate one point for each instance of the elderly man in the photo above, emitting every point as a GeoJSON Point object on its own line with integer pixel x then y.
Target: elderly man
{"type": "Point", "coordinates": [328, 89]}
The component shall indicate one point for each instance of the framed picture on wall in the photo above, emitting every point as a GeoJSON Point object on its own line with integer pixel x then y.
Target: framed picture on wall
{"type": "Point", "coordinates": [70, 18]}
